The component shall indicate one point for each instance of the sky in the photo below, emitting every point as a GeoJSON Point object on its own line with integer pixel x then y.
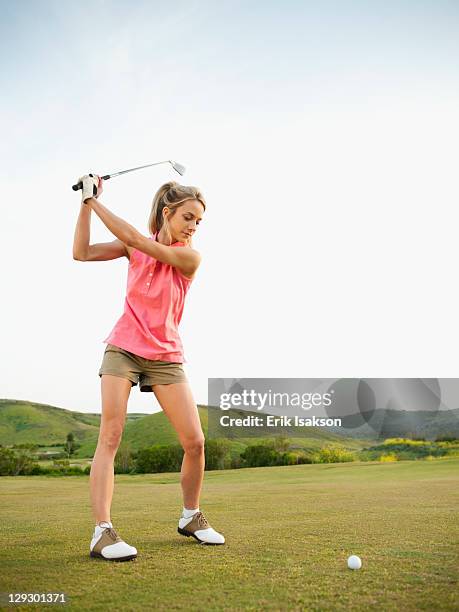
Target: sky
{"type": "Point", "coordinates": [323, 136]}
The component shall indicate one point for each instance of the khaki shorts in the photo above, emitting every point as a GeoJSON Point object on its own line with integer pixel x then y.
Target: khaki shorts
{"type": "Point", "coordinates": [146, 372]}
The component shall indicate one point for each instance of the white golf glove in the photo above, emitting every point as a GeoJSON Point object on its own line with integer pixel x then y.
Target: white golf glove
{"type": "Point", "coordinates": [92, 186]}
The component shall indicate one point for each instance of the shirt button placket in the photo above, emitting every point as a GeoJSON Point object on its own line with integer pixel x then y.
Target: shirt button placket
{"type": "Point", "coordinates": [148, 282]}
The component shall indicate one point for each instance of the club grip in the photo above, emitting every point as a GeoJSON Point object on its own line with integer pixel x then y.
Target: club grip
{"type": "Point", "coordinates": [79, 185]}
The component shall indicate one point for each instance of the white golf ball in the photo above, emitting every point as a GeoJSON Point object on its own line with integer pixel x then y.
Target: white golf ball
{"type": "Point", "coordinates": [354, 562]}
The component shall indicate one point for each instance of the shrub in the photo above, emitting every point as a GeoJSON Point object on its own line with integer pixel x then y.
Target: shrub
{"type": "Point", "coordinates": [7, 461]}
{"type": "Point", "coordinates": [37, 470]}
{"type": "Point", "coordinates": [288, 459]}
{"type": "Point", "coordinates": [236, 463]}
{"type": "Point", "coordinates": [305, 458]}
{"type": "Point", "coordinates": [73, 470]}
{"type": "Point", "coordinates": [388, 458]}
{"type": "Point", "coordinates": [12, 464]}
{"type": "Point", "coordinates": [216, 453]}
{"type": "Point", "coordinates": [367, 455]}
{"type": "Point", "coordinates": [330, 454]}
{"type": "Point", "coordinates": [446, 438]}
{"type": "Point", "coordinates": [159, 458]}
{"type": "Point", "coordinates": [279, 443]}
{"type": "Point", "coordinates": [403, 441]}
{"type": "Point", "coordinates": [259, 455]}
{"type": "Point", "coordinates": [405, 448]}
{"type": "Point", "coordinates": [415, 436]}
{"type": "Point", "coordinates": [124, 459]}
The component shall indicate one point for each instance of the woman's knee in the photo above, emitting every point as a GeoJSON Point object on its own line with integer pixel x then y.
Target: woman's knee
{"type": "Point", "coordinates": [110, 436]}
{"type": "Point", "coordinates": [194, 445]}
{"type": "Point", "coordinates": [115, 395]}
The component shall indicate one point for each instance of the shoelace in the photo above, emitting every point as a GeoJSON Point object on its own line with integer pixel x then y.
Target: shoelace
{"type": "Point", "coordinates": [202, 521]}
{"type": "Point", "coordinates": [111, 533]}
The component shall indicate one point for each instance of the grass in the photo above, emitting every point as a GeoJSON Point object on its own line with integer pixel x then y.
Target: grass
{"type": "Point", "coordinates": [289, 531]}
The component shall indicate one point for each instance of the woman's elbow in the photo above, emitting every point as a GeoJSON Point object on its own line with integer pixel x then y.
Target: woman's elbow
{"type": "Point", "coordinates": [134, 239]}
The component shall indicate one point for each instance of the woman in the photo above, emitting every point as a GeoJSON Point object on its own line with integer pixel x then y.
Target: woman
{"type": "Point", "coordinates": [144, 347]}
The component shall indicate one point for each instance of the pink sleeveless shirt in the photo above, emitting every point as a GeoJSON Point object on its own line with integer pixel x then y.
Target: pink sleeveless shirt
{"type": "Point", "coordinates": [153, 308]}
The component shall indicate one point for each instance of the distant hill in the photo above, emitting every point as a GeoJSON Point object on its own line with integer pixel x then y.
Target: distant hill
{"type": "Point", "coordinates": [29, 422]}
{"type": "Point", "coordinates": [398, 423]}
{"type": "Point", "coordinates": [23, 422]}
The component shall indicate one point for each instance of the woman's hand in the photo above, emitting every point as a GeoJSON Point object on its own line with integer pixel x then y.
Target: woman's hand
{"type": "Point", "coordinates": [92, 186]}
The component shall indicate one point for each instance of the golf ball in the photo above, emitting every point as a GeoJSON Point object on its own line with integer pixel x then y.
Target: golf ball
{"type": "Point", "coordinates": [354, 562]}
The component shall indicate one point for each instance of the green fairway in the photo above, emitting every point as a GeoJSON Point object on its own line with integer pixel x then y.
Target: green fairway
{"type": "Point", "coordinates": [289, 531]}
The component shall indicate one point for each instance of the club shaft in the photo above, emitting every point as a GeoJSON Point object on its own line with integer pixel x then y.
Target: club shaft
{"type": "Point", "coordinates": [107, 176]}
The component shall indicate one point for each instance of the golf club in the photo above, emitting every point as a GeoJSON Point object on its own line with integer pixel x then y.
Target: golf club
{"type": "Point", "coordinates": [177, 167]}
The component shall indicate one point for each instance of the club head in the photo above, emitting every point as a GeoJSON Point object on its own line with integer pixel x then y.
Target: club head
{"type": "Point", "coordinates": [178, 167]}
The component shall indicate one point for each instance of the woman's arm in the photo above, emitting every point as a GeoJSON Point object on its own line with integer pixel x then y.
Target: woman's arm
{"type": "Point", "coordinates": [82, 230]}
{"type": "Point", "coordinates": [118, 227]}
{"type": "Point", "coordinates": [185, 259]}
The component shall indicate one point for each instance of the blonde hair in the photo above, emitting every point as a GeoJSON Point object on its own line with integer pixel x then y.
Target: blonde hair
{"type": "Point", "coordinates": [172, 195]}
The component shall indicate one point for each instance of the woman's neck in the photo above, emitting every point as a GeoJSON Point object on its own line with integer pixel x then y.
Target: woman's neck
{"type": "Point", "coordinates": [163, 239]}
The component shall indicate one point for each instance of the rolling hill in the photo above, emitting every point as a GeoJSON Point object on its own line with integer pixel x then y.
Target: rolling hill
{"type": "Point", "coordinates": [28, 422]}
{"type": "Point", "coordinates": [383, 423]}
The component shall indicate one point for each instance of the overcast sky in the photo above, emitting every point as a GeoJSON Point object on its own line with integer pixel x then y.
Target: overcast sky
{"type": "Point", "coordinates": [324, 138]}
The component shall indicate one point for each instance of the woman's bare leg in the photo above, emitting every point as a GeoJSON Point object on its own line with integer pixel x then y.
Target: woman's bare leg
{"type": "Point", "coordinates": [115, 394]}
{"type": "Point", "coordinates": [180, 408]}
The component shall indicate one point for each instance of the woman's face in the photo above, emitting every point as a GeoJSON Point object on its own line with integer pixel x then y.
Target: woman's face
{"type": "Point", "coordinates": [184, 223]}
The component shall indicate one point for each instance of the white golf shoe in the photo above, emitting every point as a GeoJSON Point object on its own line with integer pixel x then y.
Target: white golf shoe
{"type": "Point", "coordinates": [107, 544]}
{"type": "Point", "coordinates": [198, 527]}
